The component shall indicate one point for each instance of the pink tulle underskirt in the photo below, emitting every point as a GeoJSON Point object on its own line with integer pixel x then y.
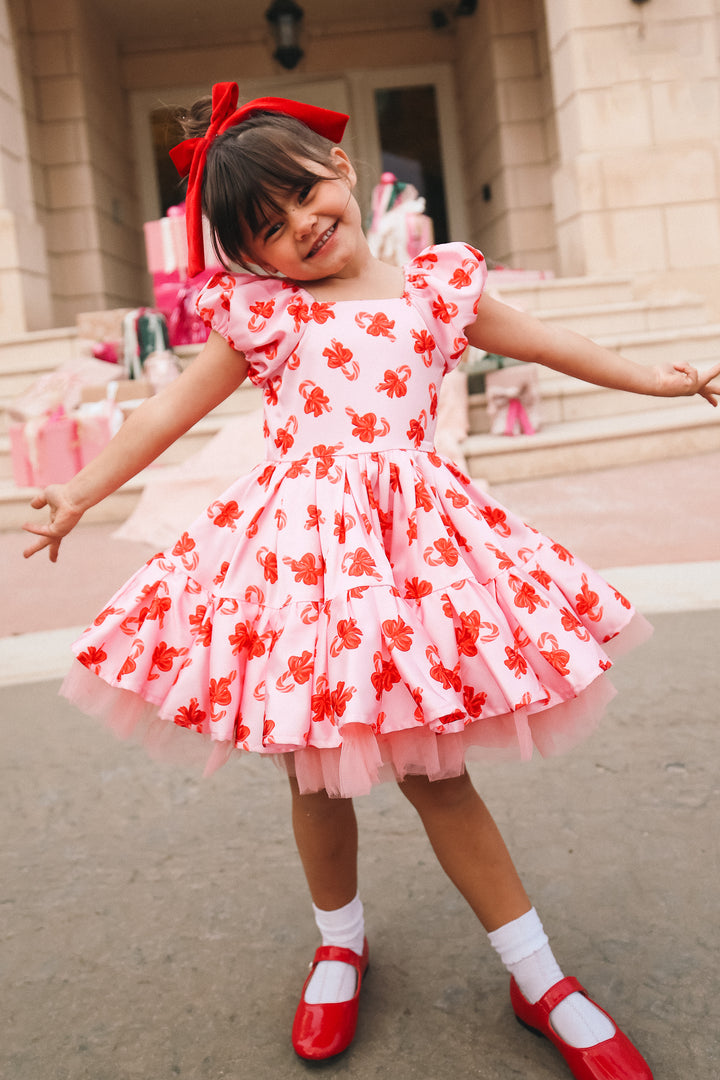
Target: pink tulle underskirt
{"type": "Point", "coordinates": [364, 758]}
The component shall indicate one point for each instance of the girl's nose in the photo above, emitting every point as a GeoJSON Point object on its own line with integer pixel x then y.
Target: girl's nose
{"type": "Point", "coordinates": [303, 220]}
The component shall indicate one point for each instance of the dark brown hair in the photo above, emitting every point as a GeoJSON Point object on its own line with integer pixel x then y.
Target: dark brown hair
{"type": "Point", "coordinates": [249, 169]}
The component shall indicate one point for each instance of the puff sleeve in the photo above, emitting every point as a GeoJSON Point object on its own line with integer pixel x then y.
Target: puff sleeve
{"type": "Point", "coordinates": [445, 283]}
{"type": "Point", "coordinates": [260, 317]}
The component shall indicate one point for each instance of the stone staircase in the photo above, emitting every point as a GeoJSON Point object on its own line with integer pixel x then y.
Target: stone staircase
{"type": "Point", "coordinates": [588, 427]}
{"type": "Point", "coordinates": [584, 427]}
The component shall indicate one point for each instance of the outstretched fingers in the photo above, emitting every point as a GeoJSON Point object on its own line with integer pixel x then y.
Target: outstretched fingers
{"type": "Point", "coordinates": [64, 516]}
{"type": "Point", "coordinates": [45, 540]}
{"type": "Point", "coordinates": [706, 385]}
{"type": "Point", "coordinates": [710, 384]}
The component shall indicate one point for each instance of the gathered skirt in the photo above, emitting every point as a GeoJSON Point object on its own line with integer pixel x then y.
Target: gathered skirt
{"type": "Point", "coordinates": [356, 618]}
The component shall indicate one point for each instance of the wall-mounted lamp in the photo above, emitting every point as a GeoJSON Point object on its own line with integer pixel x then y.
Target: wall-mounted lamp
{"type": "Point", "coordinates": [285, 18]}
{"type": "Point", "coordinates": [442, 17]}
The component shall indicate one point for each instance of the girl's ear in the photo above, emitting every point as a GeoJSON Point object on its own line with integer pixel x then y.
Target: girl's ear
{"type": "Point", "coordinates": [344, 165]}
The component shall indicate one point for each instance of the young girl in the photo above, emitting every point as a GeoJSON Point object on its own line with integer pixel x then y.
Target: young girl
{"type": "Point", "coordinates": [356, 607]}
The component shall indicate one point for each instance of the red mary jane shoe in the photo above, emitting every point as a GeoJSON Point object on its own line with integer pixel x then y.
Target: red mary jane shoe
{"type": "Point", "coordinates": [321, 1031]}
{"type": "Point", "coordinates": [614, 1059]}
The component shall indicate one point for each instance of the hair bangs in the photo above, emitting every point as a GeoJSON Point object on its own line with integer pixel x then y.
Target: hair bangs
{"type": "Point", "coordinates": [272, 182]}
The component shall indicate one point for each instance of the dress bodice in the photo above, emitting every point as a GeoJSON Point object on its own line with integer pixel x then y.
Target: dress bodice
{"type": "Point", "coordinates": [351, 376]}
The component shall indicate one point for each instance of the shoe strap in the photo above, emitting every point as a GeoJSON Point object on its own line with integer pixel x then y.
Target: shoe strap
{"type": "Point", "coordinates": [335, 952]}
{"type": "Point", "coordinates": [558, 993]}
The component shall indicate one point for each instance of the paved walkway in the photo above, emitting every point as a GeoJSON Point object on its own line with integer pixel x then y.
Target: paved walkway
{"type": "Point", "coordinates": [155, 925]}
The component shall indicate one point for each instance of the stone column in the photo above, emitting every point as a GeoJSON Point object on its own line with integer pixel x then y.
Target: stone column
{"type": "Point", "coordinates": [637, 99]}
{"type": "Point", "coordinates": [94, 233]}
{"type": "Point", "coordinates": [508, 130]}
{"type": "Point", "coordinates": [24, 288]}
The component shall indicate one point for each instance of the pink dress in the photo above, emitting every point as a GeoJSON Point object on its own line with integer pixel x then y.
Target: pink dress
{"type": "Point", "coordinates": [355, 606]}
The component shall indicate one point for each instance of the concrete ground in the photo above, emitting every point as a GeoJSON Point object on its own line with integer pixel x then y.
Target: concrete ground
{"type": "Point", "coordinates": [156, 925]}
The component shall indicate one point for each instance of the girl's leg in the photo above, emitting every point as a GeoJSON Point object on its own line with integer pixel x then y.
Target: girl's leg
{"type": "Point", "coordinates": [327, 841]}
{"type": "Point", "coordinates": [469, 847]}
{"type": "Point", "coordinates": [473, 854]}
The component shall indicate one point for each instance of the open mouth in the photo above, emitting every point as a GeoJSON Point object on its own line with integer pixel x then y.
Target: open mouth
{"type": "Point", "coordinates": [321, 241]}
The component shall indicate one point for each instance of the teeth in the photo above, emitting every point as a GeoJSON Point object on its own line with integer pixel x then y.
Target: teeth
{"type": "Point", "coordinates": [323, 239]}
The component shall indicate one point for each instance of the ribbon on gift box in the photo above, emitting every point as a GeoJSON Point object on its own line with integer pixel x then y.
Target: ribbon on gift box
{"type": "Point", "coordinates": [512, 401]}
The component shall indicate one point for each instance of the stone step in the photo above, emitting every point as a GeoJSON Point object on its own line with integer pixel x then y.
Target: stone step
{"type": "Point", "coordinates": [571, 400]}
{"type": "Point", "coordinates": [633, 316]}
{"type": "Point", "coordinates": [41, 348]}
{"type": "Point", "coordinates": [25, 360]}
{"type": "Point", "coordinates": [565, 399]}
{"type": "Point", "coordinates": [695, 344]}
{"type": "Point", "coordinates": [677, 430]}
{"type": "Point", "coordinates": [698, 345]}
{"type": "Point", "coordinates": [565, 292]}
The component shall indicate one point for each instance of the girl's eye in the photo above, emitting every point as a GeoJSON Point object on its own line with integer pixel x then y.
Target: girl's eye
{"type": "Point", "coordinates": [305, 192]}
{"type": "Point", "coordinates": [272, 231]}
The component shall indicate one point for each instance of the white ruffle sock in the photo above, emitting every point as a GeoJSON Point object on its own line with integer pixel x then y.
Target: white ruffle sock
{"type": "Point", "coordinates": [332, 980]}
{"type": "Point", "coordinates": [523, 947]}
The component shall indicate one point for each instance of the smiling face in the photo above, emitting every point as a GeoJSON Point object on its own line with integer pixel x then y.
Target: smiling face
{"type": "Point", "coordinates": [314, 232]}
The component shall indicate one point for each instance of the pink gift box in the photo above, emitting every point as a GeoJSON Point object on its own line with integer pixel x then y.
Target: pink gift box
{"type": "Point", "coordinates": [513, 400]}
{"type": "Point", "coordinates": [45, 450]}
{"type": "Point", "coordinates": [175, 293]}
{"type": "Point", "coordinates": [166, 244]}
{"type": "Point", "coordinates": [93, 434]}
{"type": "Point", "coordinates": [52, 449]}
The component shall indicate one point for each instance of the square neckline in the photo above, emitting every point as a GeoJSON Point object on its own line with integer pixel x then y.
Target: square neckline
{"type": "Point", "coordinates": [377, 300]}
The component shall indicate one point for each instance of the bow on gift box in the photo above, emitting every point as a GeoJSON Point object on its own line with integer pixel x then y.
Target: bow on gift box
{"type": "Point", "coordinates": [512, 402]}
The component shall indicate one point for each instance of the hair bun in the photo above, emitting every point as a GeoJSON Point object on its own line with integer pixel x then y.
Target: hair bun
{"type": "Point", "coordinates": [196, 120]}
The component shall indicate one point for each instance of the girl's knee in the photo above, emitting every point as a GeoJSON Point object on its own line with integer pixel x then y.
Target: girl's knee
{"type": "Point", "coordinates": [438, 794]}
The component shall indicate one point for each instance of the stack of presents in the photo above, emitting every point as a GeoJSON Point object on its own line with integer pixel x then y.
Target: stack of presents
{"type": "Point", "coordinates": [123, 356]}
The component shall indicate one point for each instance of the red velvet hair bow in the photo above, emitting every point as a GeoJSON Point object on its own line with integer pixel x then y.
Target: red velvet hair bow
{"type": "Point", "coordinates": [189, 156]}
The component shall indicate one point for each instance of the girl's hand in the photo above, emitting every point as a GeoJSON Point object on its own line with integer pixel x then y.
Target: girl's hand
{"type": "Point", "coordinates": [682, 380]}
{"type": "Point", "coordinates": [64, 516]}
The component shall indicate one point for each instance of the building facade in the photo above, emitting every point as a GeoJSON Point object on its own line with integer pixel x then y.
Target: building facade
{"type": "Point", "coordinates": [567, 135]}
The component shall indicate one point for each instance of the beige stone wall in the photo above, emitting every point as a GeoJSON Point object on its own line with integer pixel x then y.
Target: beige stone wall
{"type": "Point", "coordinates": [24, 289]}
{"type": "Point", "coordinates": [597, 137]}
{"type": "Point", "coordinates": [507, 120]}
{"type": "Point", "coordinates": [82, 149]}
{"type": "Point", "coordinates": [637, 98]}
{"type": "Point", "coordinates": [330, 51]}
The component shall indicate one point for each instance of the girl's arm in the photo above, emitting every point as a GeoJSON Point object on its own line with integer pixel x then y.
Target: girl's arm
{"type": "Point", "coordinates": [504, 330]}
{"type": "Point", "coordinates": [151, 428]}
